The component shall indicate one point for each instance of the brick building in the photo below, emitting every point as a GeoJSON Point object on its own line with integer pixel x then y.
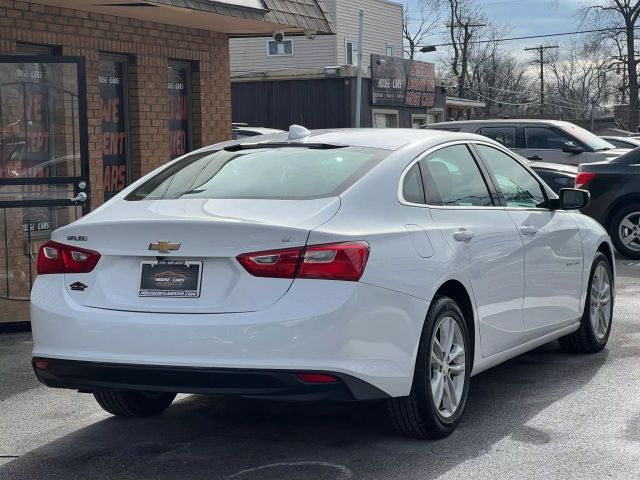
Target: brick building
{"type": "Point", "coordinates": [94, 94]}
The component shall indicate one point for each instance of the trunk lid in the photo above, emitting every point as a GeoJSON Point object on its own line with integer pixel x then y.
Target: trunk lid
{"type": "Point", "coordinates": [212, 232]}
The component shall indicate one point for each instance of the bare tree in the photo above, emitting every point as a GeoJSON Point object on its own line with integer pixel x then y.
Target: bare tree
{"type": "Point", "coordinates": [622, 15]}
{"type": "Point", "coordinates": [419, 25]}
{"type": "Point", "coordinates": [580, 80]}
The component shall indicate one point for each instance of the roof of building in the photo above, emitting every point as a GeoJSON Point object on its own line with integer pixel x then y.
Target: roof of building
{"type": "Point", "coordinates": [464, 102]}
{"type": "Point", "coordinates": [305, 14]}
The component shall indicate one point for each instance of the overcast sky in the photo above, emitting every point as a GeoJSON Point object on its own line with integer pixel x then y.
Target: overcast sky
{"type": "Point", "coordinates": [529, 17]}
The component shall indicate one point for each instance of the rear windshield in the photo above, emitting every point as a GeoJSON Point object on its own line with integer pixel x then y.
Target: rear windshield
{"type": "Point", "coordinates": [283, 173]}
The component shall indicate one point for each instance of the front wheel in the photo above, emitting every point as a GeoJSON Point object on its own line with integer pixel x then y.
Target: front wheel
{"type": "Point", "coordinates": [625, 231]}
{"type": "Point", "coordinates": [595, 325]}
{"type": "Point", "coordinates": [133, 403]}
{"type": "Point", "coordinates": [438, 395]}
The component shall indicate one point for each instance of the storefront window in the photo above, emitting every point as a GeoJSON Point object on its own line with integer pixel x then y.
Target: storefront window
{"type": "Point", "coordinates": [180, 108]}
{"type": "Point", "coordinates": [115, 149]}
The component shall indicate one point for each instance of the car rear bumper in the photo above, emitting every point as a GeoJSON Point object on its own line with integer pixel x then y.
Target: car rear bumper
{"type": "Point", "coordinates": [359, 330]}
{"type": "Point", "coordinates": [269, 384]}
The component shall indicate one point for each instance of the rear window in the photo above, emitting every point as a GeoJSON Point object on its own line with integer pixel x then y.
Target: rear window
{"type": "Point", "coordinates": [283, 173]}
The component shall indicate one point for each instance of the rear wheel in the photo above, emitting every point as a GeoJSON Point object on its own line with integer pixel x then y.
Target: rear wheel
{"type": "Point", "coordinates": [625, 231]}
{"type": "Point", "coordinates": [133, 403]}
{"type": "Point", "coordinates": [595, 326]}
{"type": "Point", "coordinates": [438, 395]}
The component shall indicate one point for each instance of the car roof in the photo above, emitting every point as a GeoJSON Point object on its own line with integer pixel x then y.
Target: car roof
{"type": "Point", "coordinates": [262, 130]}
{"type": "Point", "coordinates": [382, 138]}
{"type": "Point", "coordinates": [501, 121]}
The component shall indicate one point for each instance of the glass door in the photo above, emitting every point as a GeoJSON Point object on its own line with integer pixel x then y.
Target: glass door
{"type": "Point", "coordinates": [44, 177]}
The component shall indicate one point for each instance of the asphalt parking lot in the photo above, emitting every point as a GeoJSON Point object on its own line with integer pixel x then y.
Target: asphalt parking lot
{"type": "Point", "coordinates": [546, 415]}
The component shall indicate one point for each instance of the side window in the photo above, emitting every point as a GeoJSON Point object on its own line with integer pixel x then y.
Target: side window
{"type": "Point", "coordinates": [519, 187]}
{"type": "Point", "coordinates": [504, 135]}
{"type": "Point", "coordinates": [413, 188]}
{"type": "Point", "coordinates": [543, 138]}
{"type": "Point", "coordinates": [453, 172]}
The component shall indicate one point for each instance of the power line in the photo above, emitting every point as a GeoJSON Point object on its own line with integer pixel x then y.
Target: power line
{"type": "Point", "coordinates": [549, 35]}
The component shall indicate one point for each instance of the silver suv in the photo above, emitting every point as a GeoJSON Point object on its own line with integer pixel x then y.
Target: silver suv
{"type": "Point", "coordinates": [549, 141]}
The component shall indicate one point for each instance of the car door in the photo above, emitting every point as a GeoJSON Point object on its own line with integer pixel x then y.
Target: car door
{"type": "Point", "coordinates": [484, 245]}
{"type": "Point", "coordinates": [553, 247]}
{"type": "Point", "coordinates": [545, 144]}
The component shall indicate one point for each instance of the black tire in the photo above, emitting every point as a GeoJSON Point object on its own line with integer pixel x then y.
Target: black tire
{"type": "Point", "coordinates": [133, 404]}
{"type": "Point", "coordinates": [614, 231]}
{"type": "Point", "coordinates": [417, 415]}
{"type": "Point", "coordinates": [584, 340]}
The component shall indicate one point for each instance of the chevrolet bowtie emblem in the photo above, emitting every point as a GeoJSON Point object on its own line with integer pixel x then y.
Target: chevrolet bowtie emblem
{"type": "Point", "coordinates": [164, 246]}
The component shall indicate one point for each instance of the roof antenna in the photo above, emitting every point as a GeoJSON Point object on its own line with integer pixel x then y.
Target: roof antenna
{"type": "Point", "coordinates": [297, 132]}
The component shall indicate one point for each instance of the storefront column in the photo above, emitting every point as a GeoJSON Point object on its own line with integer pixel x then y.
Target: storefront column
{"type": "Point", "coordinates": [149, 114]}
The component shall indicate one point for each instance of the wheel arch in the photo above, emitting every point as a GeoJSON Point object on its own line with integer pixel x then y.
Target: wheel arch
{"type": "Point", "coordinates": [607, 251]}
{"type": "Point", "coordinates": [455, 290]}
{"type": "Point", "coordinates": [620, 202]}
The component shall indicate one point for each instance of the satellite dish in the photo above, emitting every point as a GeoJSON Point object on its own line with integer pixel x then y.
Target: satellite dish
{"type": "Point", "coordinates": [296, 132]}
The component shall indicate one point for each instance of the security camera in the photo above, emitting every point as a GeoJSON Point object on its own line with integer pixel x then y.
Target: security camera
{"type": "Point", "coordinates": [278, 35]}
{"type": "Point", "coordinates": [310, 34]}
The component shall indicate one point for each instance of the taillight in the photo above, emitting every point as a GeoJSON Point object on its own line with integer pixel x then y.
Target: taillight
{"type": "Point", "coordinates": [334, 261]}
{"type": "Point", "coordinates": [54, 257]}
{"type": "Point", "coordinates": [273, 263]}
{"type": "Point", "coordinates": [583, 178]}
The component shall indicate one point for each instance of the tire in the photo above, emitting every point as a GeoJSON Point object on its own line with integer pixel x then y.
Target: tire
{"type": "Point", "coordinates": [133, 403]}
{"type": "Point", "coordinates": [418, 415]}
{"type": "Point", "coordinates": [617, 229]}
{"type": "Point", "coordinates": [588, 339]}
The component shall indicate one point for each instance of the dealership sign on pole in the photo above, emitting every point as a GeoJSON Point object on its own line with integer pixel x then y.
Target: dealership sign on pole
{"type": "Point", "coordinates": [397, 82]}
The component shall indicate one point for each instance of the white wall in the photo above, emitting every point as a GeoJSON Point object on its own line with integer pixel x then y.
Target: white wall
{"type": "Point", "coordinates": [382, 25]}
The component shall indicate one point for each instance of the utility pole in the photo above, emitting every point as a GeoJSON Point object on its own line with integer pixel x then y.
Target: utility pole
{"type": "Point", "coordinates": [541, 49]}
{"type": "Point", "coordinates": [359, 79]}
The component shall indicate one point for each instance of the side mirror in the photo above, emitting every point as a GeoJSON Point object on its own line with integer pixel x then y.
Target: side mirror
{"type": "Point", "coordinates": [570, 147]}
{"type": "Point", "coordinates": [573, 199]}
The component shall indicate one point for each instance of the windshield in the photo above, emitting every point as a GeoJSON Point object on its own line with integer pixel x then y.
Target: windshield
{"type": "Point", "coordinates": [267, 173]}
{"type": "Point", "coordinates": [585, 136]}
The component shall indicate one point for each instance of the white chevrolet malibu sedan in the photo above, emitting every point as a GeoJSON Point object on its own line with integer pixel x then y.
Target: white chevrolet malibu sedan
{"type": "Point", "coordinates": [338, 264]}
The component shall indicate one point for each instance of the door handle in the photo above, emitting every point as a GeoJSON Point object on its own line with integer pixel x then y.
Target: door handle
{"type": "Point", "coordinates": [535, 158]}
{"type": "Point", "coordinates": [529, 230]}
{"type": "Point", "coordinates": [81, 197]}
{"type": "Point", "coordinates": [463, 235]}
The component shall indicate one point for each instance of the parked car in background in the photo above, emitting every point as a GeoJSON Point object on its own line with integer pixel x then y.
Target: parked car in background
{"type": "Point", "coordinates": [622, 142]}
{"type": "Point", "coordinates": [345, 264]}
{"type": "Point", "coordinates": [615, 199]}
{"type": "Point", "coordinates": [550, 141]}
{"type": "Point", "coordinates": [555, 175]}
{"type": "Point", "coordinates": [240, 131]}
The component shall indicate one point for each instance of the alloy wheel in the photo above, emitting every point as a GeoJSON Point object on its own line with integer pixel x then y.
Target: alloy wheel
{"type": "Point", "coordinates": [600, 313]}
{"type": "Point", "coordinates": [447, 367]}
{"type": "Point", "coordinates": [629, 231]}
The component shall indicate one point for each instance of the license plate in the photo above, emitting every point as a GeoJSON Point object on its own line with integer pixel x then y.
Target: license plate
{"type": "Point", "coordinates": [170, 279]}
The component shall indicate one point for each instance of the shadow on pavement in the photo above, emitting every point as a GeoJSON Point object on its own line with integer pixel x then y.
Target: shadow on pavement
{"type": "Point", "coordinates": [204, 437]}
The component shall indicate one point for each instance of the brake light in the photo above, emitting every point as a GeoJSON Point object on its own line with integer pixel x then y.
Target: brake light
{"type": "Point", "coordinates": [54, 257]}
{"type": "Point", "coordinates": [583, 178]}
{"type": "Point", "coordinates": [334, 261]}
{"type": "Point", "coordinates": [273, 263]}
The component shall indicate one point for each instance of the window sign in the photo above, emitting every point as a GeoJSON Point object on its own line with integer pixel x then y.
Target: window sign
{"type": "Point", "coordinates": [179, 108]}
{"type": "Point", "coordinates": [112, 81]}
